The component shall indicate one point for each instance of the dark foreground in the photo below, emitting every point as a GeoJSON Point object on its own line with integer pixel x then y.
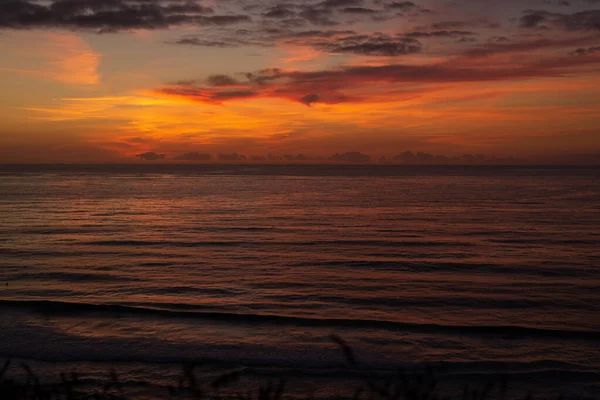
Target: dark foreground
{"type": "Point", "coordinates": [18, 381]}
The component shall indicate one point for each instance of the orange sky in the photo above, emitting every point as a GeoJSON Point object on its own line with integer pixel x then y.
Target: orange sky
{"type": "Point", "coordinates": [97, 81]}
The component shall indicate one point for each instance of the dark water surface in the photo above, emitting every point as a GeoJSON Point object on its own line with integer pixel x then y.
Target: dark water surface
{"type": "Point", "coordinates": [475, 270]}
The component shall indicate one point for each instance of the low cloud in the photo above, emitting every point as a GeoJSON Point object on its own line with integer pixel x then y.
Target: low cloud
{"type": "Point", "coordinates": [353, 157]}
{"type": "Point", "coordinates": [151, 156]}
{"type": "Point", "coordinates": [231, 157]}
{"type": "Point", "coordinates": [423, 158]}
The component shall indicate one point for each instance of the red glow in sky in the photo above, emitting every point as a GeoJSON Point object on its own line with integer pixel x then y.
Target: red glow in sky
{"type": "Point", "coordinates": [88, 81]}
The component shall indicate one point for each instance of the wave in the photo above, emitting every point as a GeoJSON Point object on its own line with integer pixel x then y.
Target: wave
{"type": "Point", "coordinates": [66, 231]}
{"type": "Point", "coordinates": [553, 270]}
{"type": "Point", "coordinates": [545, 241]}
{"type": "Point", "coordinates": [228, 243]}
{"type": "Point", "coordinates": [71, 276]}
{"type": "Point", "coordinates": [192, 311]}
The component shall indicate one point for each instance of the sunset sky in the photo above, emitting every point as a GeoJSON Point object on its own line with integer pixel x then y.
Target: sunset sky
{"type": "Point", "coordinates": [104, 80]}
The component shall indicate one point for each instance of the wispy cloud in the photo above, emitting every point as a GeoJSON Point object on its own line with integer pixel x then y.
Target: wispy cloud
{"type": "Point", "coordinates": [74, 62]}
{"type": "Point", "coordinates": [61, 56]}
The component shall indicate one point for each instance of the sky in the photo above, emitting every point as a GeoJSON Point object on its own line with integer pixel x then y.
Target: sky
{"type": "Point", "coordinates": [106, 80]}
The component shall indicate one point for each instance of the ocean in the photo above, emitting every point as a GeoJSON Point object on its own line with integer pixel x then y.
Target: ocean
{"type": "Point", "coordinates": [476, 272]}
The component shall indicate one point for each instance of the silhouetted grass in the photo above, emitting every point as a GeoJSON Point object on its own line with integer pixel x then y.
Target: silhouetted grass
{"type": "Point", "coordinates": [404, 385]}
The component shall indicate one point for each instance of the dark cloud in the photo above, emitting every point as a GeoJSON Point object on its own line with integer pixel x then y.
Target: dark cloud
{"type": "Point", "coordinates": [402, 5]}
{"type": "Point", "coordinates": [584, 20]}
{"type": "Point", "coordinates": [315, 34]}
{"type": "Point", "coordinates": [344, 84]}
{"type": "Point", "coordinates": [195, 41]}
{"type": "Point", "coordinates": [325, 97]}
{"type": "Point", "coordinates": [299, 157]}
{"type": "Point", "coordinates": [221, 80]}
{"type": "Point", "coordinates": [109, 15]}
{"type": "Point", "coordinates": [353, 157]}
{"type": "Point", "coordinates": [151, 156]}
{"type": "Point", "coordinates": [264, 76]}
{"type": "Point", "coordinates": [358, 10]}
{"type": "Point", "coordinates": [264, 37]}
{"type": "Point", "coordinates": [222, 20]}
{"type": "Point", "coordinates": [445, 25]}
{"type": "Point", "coordinates": [279, 11]}
{"type": "Point", "coordinates": [289, 21]}
{"type": "Point", "coordinates": [375, 44]}
{"type": "Point", "coordinates": [346, 41]}
{"type": "Point", "coordinates": [210, 93]}
{"type": "Point", "coordinates": [533, 19]}
{"type": "Point", "coordinates": [233, 94]}
{"type": "Point", "coordinates": [324, 13]}
{"type": "Point", "coordinates": [340, 3]}
{"type": "Point", "coordinates": [588, 20]}
{"type": "Point", "coordinates": [502, 45]}
{"type": "Point", "coordinates": [330, 40]}
{"type": "Point", "coordinates": [318, 16]}
{"type": "Point", "coordinates": [231, 157]}
{"type": "Point", "coordinates": [440, 34]}
{"type": "Point", "coordinates": [371, 45]}
{"type": "Point", "coordinates": [423, 158]}
{"type": "Point", "coordinates": [437, 73]}
{"type": "Point", "coordinates": [587, 51]}
{"type": "Point", "coordinates": [450, 25]}
{"type": "Point", "coordinates": [310, 98]}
